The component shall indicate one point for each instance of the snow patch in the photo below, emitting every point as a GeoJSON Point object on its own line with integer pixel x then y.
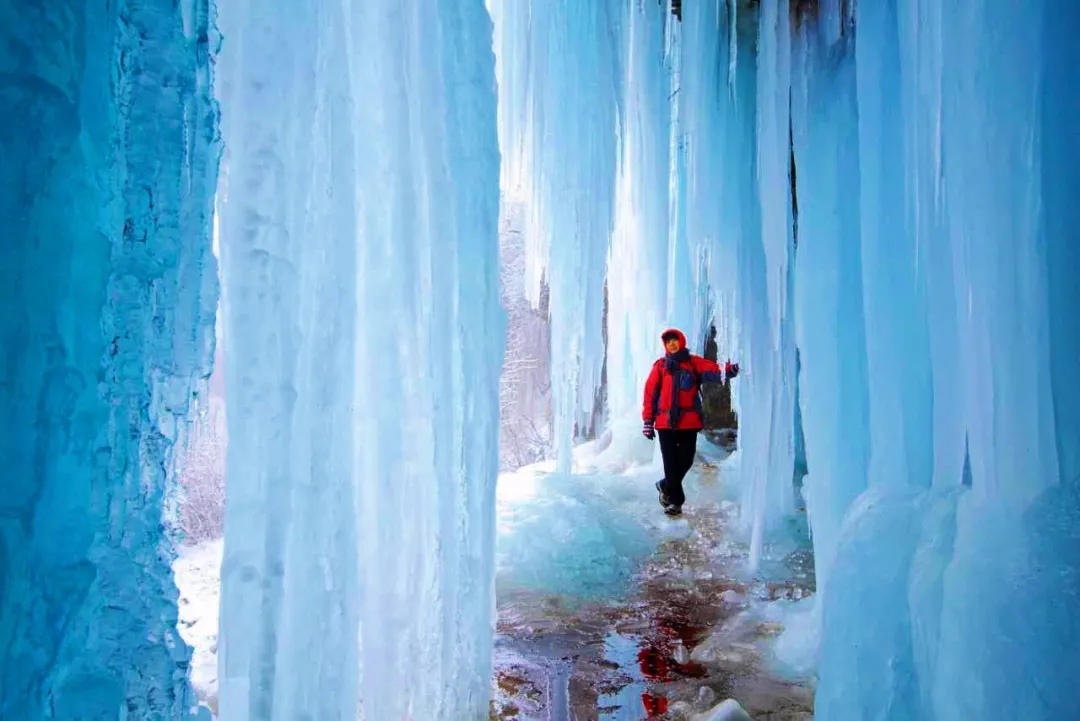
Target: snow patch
{"type": "Point", "coordinates": [198, 577]}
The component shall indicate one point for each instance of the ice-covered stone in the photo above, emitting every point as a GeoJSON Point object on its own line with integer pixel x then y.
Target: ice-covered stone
{"type": "Point", "coordinates": [729, 710]}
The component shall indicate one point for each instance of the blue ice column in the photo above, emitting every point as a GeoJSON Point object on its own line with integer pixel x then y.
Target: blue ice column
{"type": "Point", "coordinates": [828, 298]}
{"type": "Point", "coordinates": [107, 291]}
{"type": "Point", "coordinates": [1011, 156]}
{"type": "Point", "coordinates": [867, 620]}
{"type": "Point", "coordinates": [765, 285]}
{"type": "Point", "coordinates": [717, 114]}
{"type": "Point", "coordinates": [360, 264]}
{"type": "Point", "coordinates": [638, 265]}
{"type": "Point", "coordinates": [829, 319]}
{"type": "Point", "coordinates": [965, 543]}
{"type": "Point", "coordinates": [560, 116]}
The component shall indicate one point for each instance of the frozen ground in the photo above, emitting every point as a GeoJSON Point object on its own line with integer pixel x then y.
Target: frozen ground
{"type": "Point", "coordinates": [610, 610]}
{"type": "Point", "coordinates": [607, 608]}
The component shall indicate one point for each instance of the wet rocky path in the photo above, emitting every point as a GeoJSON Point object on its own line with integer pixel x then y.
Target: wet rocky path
{"type": "Point", "coordinates": [686, 634]}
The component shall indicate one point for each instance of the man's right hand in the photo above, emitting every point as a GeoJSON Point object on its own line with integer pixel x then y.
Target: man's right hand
{"type": "Point", "coordinates": [647, 430]}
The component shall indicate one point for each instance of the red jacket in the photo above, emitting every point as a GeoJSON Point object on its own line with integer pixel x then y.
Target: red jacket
{"type": "Point", "coordinates": [660, 392]}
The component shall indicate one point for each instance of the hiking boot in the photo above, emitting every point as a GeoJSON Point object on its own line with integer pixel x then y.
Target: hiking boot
{"type": "Point", "coordinates": [664, 500]}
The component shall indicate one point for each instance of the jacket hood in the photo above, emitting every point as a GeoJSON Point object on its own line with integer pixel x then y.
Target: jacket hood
{"type": "Point", "coordinates": [677, 332]}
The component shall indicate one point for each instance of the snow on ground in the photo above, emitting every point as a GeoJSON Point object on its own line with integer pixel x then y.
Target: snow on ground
{"type": "Point", "coordinates": [584, 536]}
{"type": "Point", "coordinates": [198, 576]}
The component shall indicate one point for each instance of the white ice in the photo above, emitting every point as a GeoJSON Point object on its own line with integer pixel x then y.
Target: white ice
{"type": "Point", "coordinates": [360, 266]}
{"type": "Point", "coordinates": [941, 433]}
{"type": "Point", "coordinates": [932, 294]}
{"type": "Point", "coordinates": [558, 115]}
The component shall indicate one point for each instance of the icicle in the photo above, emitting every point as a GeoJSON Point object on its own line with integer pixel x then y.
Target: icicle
{"type": "Point", "coordinates": [733, 45]}
{"type": "Point", "coordinates": [637, 277]}
{"type": "Point", "coordinates": [360, 257]}
{"type": "Point", "coordinates": [566, 108]}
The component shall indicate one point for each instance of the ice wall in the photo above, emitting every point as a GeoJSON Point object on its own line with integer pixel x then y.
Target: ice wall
{"type": "Point", "coordinates": [598, 84]}
{"type": "Point", "coordinates": [577, 85]}
{"type": "Point", "coordinates": [734, 108]}
{"type": "Point", "coordinates": [935, 153]}
{"type": "Point", "coordinates": [360, 259]}
{"type": "Point", "coordinates": [930, 296]}
{"type": "Point", "coordinates": [637, 268]}
{"type": "Point", "coordinates": [766, 285]}
{"type": "Point", "coordinates": [560, 67]}
{"type": "Point", "coordinates": [828, 299]}
{"type": "Point", "coordinates": [107, 296]}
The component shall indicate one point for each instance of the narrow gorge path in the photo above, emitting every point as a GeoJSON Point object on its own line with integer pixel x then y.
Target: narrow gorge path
{"type": "Point", "coordinates": [609, 610]}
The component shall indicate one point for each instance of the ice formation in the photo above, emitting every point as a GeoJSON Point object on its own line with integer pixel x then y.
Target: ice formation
{"type": "Point", "coordinates": [599, 83]}
{"type": "Point", "coordinates": [639, 249]}
{"type": "Point", "coordinates": [109, 139]}
{"type": "Point", "coordinates": [560, 72]}
{"type": "Point", "coordinates": [941, 439]}
{"type": "Point", "coordinates": [882, 186]}
{"type": "Point", "coordinates": [924, 267]}
{"type": "Point", "coordinates": [828, 271]}
{"type": "Point", "coordinates": [360, 250]}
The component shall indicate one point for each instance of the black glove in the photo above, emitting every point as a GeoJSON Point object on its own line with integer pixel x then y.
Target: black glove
{"type": "Point", "coordinates": [647, 430]}
{"type": "Point", "coordinates": [731, 370]}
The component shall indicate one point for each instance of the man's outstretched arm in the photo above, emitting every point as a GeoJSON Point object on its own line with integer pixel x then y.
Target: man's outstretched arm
{"type": "Point", "coordinates": [710, 371]}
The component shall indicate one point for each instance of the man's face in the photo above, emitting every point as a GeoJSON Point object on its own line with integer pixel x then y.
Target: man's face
{"type": "Point", "coordinates": [672, 345]}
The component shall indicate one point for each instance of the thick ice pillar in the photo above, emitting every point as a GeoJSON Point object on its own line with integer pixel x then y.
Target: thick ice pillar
{"type": "Point", "coordinates": [559, 117]}
{"type": "Point", "coordinates": [360, 257]}
{"type": "Point", "coordinates": [107, 295]}
{"type": "Point", "coordinates": [828, 294]}
{"type": "Point", "coordinates": [966, 160]}
{"type": "Point", "coordinates": [767, 389]}
{"type": "Point", "coordinates": [638, 263]}
{"type": "Point", "coordinates": [1011, 159]}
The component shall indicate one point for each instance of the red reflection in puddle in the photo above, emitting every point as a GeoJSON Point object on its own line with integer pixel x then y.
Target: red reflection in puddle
{"type": "Point", "coordinates": [656, 658]}
{"type": "Point", "coordinates": [654, 705]}
{"type": "Point", "coordinates": [653, 663]}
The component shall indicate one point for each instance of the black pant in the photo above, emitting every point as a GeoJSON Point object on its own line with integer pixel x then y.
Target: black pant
{"type": "Point", "coordinates": [678, 449]}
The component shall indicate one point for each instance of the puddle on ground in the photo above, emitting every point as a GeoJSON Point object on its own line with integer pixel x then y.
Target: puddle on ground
{"type": "Point", "coordinates": [654, 654]}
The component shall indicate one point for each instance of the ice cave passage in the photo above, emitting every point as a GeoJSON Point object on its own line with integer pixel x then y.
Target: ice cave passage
{"type": "Point", "coordinates": [872, 206]}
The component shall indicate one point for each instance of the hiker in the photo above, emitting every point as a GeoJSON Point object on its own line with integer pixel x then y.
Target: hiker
{"type": "Point", "coordinates": [672, 408]}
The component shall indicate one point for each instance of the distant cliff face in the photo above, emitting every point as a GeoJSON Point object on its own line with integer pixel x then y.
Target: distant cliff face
{"type": "Point", "coordinates": [716, 397]}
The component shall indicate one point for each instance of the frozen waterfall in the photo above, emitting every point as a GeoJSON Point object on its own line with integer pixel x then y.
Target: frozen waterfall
{"type": "Point", "coordinates": [885, 191]}
{"type": "Point", "coordinates": [935, 242]}
{"type": "Point", "coordinates": [359, 241]}
{"type": "Point", "coordinates": [881, 187]}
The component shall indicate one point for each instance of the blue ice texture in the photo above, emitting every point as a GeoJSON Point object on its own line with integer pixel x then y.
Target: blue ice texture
{"type": "Point", "coordinates": [934, 157]}
{"type": "Point", "coordinates": [560, 80]}
{"type": "Point", "coordinates": [926, 283]}
{"type": "Point", "coordinates": [108, 290]}
{"type": "Point", "coordinates": [920, 299]}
